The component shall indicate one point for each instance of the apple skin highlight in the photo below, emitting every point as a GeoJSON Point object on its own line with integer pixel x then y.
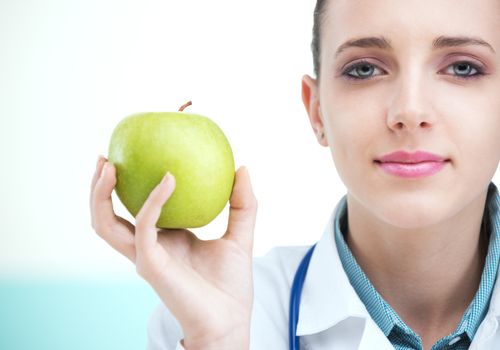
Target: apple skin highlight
{"type": "Point", "coordinates": [144, 146]}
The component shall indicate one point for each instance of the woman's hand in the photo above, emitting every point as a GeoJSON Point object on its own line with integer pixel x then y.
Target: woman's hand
{"type": "Point", "coordinates": [207, 285]}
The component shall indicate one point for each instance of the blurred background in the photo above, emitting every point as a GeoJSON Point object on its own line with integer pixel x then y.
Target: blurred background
{"type": "Point", "coordinates": [69, 72]}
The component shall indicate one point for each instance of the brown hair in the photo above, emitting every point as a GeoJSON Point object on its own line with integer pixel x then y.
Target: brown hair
{"type": "Point", "coordinates": [319, 11]}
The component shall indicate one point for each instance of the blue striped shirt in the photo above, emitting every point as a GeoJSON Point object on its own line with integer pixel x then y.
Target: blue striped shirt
{"type": "Point", "coordinates": [395, 329]}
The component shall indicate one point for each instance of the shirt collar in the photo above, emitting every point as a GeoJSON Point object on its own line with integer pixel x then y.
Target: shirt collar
{"type": "Point", "coordinates": [380, 311]}
{"type": "Point", "coordinates": [494, 212]}
{"type": "Point", "coordinates": [479, 306]}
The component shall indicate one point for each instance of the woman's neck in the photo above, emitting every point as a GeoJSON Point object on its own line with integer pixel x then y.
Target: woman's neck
{"type": "Point", "coordinates": [428, 276]}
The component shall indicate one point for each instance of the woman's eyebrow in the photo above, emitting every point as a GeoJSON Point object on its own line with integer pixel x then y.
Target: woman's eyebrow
{"type": "Point", "coordinates": [451, 41]}
{"type": "Point", "coordinates": [438, 43]}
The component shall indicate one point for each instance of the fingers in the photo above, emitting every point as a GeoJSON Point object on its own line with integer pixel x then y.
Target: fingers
{"type": "Point", "coordinates": [118, 232]}
{"type": "Point", "coordinates": [242, 211]}
{"type": "Point", "coordinates": [100, 163]}
{"type": "Point", "coordinates": [145, 225]}
{"type": "Point", "coordinates": [102, 208]}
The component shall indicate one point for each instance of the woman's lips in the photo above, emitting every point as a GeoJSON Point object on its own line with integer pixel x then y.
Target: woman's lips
{"type": "Point", "coordinates": [412, 169]}
{"type": "Point", "coordinates": [416, 164]}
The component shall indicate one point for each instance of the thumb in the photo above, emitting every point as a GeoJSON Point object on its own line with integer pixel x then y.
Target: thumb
{"type": "Point", "coordinates": [242, 211]}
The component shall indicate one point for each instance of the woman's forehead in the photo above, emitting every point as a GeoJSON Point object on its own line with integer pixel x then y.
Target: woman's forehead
{"type": "Point", "coordinates": [411, 20]}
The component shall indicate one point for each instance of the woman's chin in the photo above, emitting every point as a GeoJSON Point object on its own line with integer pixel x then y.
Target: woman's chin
{"type": "Point", "coordinates": [414, 213]}
{"type": "Point", "coordinates": [411, 211]}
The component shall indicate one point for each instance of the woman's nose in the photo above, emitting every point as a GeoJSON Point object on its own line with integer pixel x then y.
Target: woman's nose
{"type": "Point", "coordinates": [410, 108]}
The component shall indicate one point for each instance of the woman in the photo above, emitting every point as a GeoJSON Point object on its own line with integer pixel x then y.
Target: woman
{"type": "Point", "coordinates": [406, 98]}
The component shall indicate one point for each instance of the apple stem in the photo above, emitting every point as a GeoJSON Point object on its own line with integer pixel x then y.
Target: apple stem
{"type": "Point", "coordinates": [189, 103]}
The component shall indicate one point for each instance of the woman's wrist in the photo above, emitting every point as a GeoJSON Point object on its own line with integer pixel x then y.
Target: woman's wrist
{"type": "Point", "coordinates": [236, 339]}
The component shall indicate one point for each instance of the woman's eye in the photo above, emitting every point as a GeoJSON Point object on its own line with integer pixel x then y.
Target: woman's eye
{"type": "Point", "coordinates": [464, 70]}
{"type": "Point", "coordinates": [361, 70]}
{"type": "Point", "coordinates": [364, 70]}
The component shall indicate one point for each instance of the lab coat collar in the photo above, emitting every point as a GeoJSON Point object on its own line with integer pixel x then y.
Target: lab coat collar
{"type": "Point", "coordinates": [327, 295]}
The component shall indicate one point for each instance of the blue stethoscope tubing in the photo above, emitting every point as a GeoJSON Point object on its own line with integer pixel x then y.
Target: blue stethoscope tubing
{"type": "Point", "coordinates": [296, 293]}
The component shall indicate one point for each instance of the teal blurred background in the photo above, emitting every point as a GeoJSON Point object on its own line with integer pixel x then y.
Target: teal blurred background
{"type": "Point", "coordinates": [74, 314]}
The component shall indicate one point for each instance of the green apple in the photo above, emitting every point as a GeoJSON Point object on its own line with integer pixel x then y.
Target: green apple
{"type": "Point", "coordinates": [144, 146]}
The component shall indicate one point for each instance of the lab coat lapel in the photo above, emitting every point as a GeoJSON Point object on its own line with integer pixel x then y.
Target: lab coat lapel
{"type": "Point", "coordinates": [488, 334]}
{"type": "Point", "coordinates": [328, 297]}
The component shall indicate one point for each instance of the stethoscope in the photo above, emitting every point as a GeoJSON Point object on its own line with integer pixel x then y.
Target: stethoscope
{"type": "Point", "coordinates": [298, 282]}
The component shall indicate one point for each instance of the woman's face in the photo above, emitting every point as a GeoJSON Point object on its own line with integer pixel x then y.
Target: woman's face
{"type": "Point", "coordinates": [421, 88]}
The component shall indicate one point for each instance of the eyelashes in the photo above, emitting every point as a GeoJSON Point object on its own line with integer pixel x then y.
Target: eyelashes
{"type": "Point", "coordinates": [363, 70]}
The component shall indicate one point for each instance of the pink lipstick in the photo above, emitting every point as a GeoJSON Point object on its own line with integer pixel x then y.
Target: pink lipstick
{"type": "Point", "coordinates": [411, 165]}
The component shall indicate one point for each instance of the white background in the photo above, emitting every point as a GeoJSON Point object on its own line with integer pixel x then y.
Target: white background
{"type": "Point", "coordinates": [71, 70]}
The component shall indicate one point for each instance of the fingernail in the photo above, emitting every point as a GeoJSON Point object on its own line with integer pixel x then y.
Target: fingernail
{"type": "Point", "coordinates": [104, 169]}
{"type": "Point", "coordinates": [165, 178]}
{"type": "Point", "coordinates": [98, 160]}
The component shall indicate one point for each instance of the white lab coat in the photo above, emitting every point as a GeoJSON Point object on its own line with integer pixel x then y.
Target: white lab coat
{"type": "Point", "coordinates": [331, 314]}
